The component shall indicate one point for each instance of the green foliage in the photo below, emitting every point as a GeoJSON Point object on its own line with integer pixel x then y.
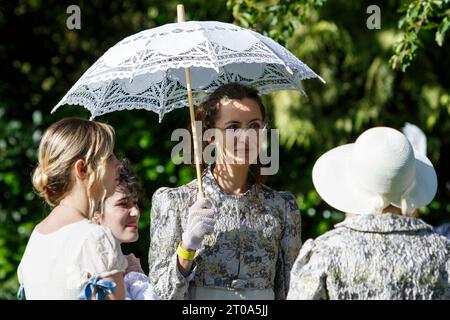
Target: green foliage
{"type": "Point", "coordinates": [277, 19]}
{"type": "Point", "coordinates": [280, 19]}
{"type": "Point", "coordinates": [417, 16]}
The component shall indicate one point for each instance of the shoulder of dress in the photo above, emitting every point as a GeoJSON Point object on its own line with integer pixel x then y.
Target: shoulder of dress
{"type": "Point", "coordinates": [284, 198]}
{"type": "Point", "coordinates": [306, 251]}
{"type": "Point", "coordinates": [443, 241]}
{"type": "Point", "coordinates": [308, 246]}
{"type": "Point", "coordinates": [286, 195]}
{"type": "Point", "coordinates": [167, 193]}
{"type": "Point", "coordinates": [98, 232]}
{"type": "Point", "coordinates": [272, 193]}
{"type": "Point", "coordinates": [331, 238]}
{"type": "Point", "coordinates": [88, 226]}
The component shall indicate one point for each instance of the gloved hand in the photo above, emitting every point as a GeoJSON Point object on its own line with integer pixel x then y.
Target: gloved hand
{"type": "Point", "coordinates": [200, 223]}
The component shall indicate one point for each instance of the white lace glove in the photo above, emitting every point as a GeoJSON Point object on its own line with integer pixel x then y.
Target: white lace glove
{"type": "Point", "coordinates": [200, 223]}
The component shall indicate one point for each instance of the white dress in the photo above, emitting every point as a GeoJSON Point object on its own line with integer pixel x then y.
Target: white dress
{"type": "Point", "coordinates": [58, 265]}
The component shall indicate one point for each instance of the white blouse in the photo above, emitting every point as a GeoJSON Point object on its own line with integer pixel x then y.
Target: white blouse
{"type": "Point", "coordinates": [58, 265]}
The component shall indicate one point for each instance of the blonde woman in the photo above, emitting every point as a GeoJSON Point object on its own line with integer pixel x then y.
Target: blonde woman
{"type": "Point", "coordinates": [66, 252]}
{"type": "Point", "coordinates": [380, 251]}
{"type": "Point", "coordinates": [239, 243]}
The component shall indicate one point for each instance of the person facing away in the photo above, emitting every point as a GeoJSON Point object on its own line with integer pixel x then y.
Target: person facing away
{"type": "Point", "coordinates": [241, 241]}
{"type": "Point", "coordinates": [380, 251]}
{"type": "Point", "coordinates": [66, 252]}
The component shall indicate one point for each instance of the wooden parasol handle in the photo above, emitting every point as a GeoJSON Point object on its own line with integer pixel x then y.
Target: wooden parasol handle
{"type": "Point", "coordinates": [197, 151]}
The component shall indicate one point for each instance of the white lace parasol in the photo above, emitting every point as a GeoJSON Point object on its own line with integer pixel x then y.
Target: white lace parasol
{"type": "Point", "coordinates": [146, 70]}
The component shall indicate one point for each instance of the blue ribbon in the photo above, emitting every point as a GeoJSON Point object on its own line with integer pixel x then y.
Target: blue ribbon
{"type": "Point", "coordinates": [102, 287]}
{"type": "Point", "coordinates": [21, 293]}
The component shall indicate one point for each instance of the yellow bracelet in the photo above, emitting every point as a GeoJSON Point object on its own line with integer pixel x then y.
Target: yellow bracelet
{"type": "Point", "coordinates": [185, 254]}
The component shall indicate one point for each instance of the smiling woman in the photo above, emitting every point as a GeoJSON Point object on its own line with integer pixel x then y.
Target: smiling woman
{"type": "Point", "coordinates": [121, 211]}
{"type": "Point", "coordinates": [121, 214]}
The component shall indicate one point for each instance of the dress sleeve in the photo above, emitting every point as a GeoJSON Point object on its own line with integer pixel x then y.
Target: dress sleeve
{"type": "Point", "coordinates": [21, 292]}
{"type": "Point", "coordinates": [19, 275]}
{"type": "Point", "coordinates": [101, 254]}
{"type": "Point", "coordinates": [291, 243]}
{"type": "Point", "coordinates": [165, 235]}
{"type": "Point", "coordinates": [308, 277]}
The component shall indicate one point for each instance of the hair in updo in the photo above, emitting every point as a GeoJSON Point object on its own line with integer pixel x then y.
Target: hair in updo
{"type": "Point", "coordinates": [62, 144]}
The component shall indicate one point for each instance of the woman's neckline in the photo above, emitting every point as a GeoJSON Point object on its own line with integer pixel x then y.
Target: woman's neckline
{"type": "Point", "coordinates": [210, 175]}
{"type": "Point", "coordinates": [60, 229]}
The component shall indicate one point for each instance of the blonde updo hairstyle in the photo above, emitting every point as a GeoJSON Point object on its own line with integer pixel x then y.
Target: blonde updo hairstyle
{"type": "Point", "coordinates": [62, 144]}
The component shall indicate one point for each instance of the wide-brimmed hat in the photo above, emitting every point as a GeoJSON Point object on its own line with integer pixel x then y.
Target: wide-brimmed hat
{"type": "Point", "coordinates": [379, 169]}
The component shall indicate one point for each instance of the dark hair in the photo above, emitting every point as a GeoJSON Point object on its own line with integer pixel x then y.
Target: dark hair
{"type": "Point", "coordinates": [130, 186]}
{"type": "Point", "coordinates": [208, 112]}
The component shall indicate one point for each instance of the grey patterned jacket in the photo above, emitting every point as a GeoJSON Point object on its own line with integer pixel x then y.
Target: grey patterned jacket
{"type": "Point", "coordinates": [384, 256]}
{"type": "Point", "coordinates": [254, 245]}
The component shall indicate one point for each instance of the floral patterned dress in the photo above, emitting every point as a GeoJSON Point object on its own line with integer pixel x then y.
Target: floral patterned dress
{"type": "Point", "coordinates": [384, 256]}
{"type": "Point", "coordinates": [255, 241]}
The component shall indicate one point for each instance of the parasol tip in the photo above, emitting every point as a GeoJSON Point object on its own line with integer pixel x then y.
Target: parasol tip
{"type": "Point", "coordinates": [180, 12]}
{"type": "Point", "coordinates": [321, 79]}
{"type": "Point", "coordinates": [288, 69]}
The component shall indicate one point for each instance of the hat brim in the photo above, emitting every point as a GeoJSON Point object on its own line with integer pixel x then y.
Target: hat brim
{"type": "Point", "coordinates": [333, 181]}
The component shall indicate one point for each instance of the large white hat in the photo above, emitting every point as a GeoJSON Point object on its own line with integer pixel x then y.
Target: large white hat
{"type": "Point", "coordinates": [379, 169]}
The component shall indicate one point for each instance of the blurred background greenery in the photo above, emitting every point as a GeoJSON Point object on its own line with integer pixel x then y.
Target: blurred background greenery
{"type": "Point", "coordinates": [390, 76]}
